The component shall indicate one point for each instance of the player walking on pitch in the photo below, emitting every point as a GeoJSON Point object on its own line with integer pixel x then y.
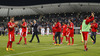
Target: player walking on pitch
{"type": "Point", "coordinates": [11, 30]}
{"type": "Point", "coordinates": [85, 29]}
{"type": "Point", "coordinates": [24, 31]}
{"type": "Point", "coordinates": [94, 27]}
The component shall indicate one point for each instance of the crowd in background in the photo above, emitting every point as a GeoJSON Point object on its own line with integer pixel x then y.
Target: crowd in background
{"type": "Point", "coordinates": [47, 20]}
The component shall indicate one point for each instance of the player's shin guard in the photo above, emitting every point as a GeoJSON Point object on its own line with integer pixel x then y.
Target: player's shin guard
{"type": "Point", "coordinates": [25, 40]}
{"type": "Point", "coordinates": [20, 39]}
{"type": "Point", "coordinates": [72, 40]}
{"type": "Point", "coordinates": [8, 44]}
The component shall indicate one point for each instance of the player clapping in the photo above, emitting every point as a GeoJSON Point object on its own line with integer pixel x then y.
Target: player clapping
{"type": "Point", "coordinates": [24, 31]}
{"type": "Point", "coordinates": [11, 29]}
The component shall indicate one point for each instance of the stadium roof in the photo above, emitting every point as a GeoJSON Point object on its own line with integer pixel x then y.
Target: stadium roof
{"type": "Point", "coordinates": [49, 8]}
{"type": "Point", "coordinates": [38, 2]}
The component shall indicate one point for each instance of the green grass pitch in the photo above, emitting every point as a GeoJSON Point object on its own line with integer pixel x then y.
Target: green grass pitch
{"type": "Point", "coordinates": [46, 48]}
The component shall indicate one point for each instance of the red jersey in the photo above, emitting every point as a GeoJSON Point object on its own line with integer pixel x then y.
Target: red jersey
{"type": "Point", "coordinates": [64, 28]}
{"type": "Point", "coordinates": [72, 27]}
{"type": "Point", "coordinates": [24, 29]}
{"type": "Point", "coordinates": [53, 29]}
{"type": "Point", "coordinates": [94, 28]}
{"type": "Point", "coordinates": [81, 27]}
{"type": "Point", "coordinates": [58, 27]}
{"type": "Point", "coordinates": [11, 30]}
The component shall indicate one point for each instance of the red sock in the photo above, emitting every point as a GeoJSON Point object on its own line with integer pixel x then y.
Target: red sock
{"type": "Point", "coordinates": [62, 39]}
{"type": "Point", "coordinates": [20, 39]}
{"type": "Point", "coordinates": [25, 40]}
{"type": "Point", "coordinates": [85, 47]}
{"type": "Point", "coordinates": [53, 37]}
{"type": "Point", "coordinates": [69, 39]}
{"type": "Point", "coordinates": [8, 44]}
{"type": "Point", "coordinates": [72, 40]}
{"type": "Point", "coordinates": [66, 38]}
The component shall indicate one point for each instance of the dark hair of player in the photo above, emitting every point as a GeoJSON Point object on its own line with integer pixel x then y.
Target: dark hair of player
{"type": "Point", "coordinates": [71, 20]}
{"type": "Point", "coordinates": [86, 16]}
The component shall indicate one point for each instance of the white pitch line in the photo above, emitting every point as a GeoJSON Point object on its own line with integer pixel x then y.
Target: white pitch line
{"type": "Point", "coordinates": [35, 51]}
{"type": "Point", "coordinates": [32, 51]}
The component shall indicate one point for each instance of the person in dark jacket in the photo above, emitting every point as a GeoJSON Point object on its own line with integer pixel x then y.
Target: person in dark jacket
{"type": "Point", "coordinates": [35, 31]}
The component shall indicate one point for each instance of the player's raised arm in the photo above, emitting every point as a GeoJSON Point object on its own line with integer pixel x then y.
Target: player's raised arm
{"type": "Point", "coordinates": [91, 18]}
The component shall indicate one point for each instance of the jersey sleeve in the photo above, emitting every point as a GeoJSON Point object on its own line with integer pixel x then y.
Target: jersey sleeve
{"type": "Point", "coordinates": [89, 20]}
